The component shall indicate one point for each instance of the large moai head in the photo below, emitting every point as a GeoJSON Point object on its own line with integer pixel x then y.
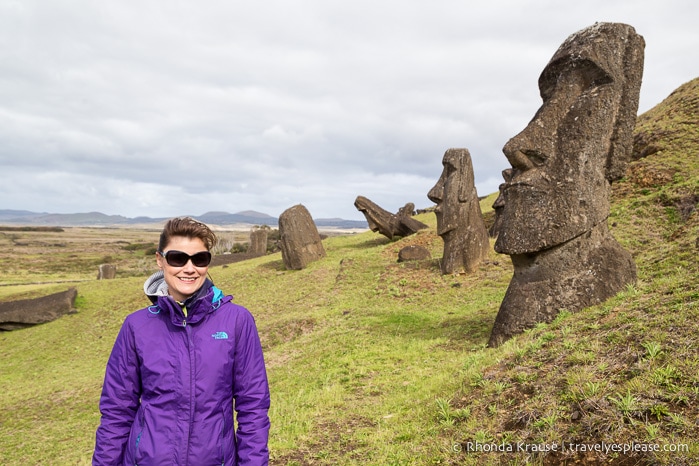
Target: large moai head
{"type": "Point", "coordinates": [551, 215]}
{"type": "Point", "coordinates": [459, 218]}
{"type": "Point", "coordinates": [578, 142]}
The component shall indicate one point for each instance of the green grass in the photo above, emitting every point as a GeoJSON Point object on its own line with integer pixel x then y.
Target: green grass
{"type": "Point", "coordinates": [373, 362]}
{"type": "Point", "coordinates": [358, 347]}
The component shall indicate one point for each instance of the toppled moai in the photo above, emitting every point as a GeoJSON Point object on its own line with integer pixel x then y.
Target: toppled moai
{"type": "Point", "coordinates": [400, 224]}
{"type": "Point", "coordinates": [23, 313]}
{"type": "Point", "coordinates": [459, 217]}
{"type": "Point", "coordinates": [300, 241]}
{"type": "Point", "coordinates": [551, 215]}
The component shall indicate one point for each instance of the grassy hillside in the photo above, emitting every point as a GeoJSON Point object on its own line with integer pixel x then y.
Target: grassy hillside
{"type": "Point", "coordinates": [381, 363]}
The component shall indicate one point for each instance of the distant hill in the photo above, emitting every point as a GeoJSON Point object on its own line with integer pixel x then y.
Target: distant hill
{"type": "Point", "coordinates": [10, 215]}
{"type": "Point", "coordinates": [24, 217]}
{"type": "Point", "coordinates": [247, 216]}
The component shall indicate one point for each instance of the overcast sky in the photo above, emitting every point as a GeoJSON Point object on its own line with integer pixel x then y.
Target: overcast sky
{"type": "Point", "coordinates": [167, 107]}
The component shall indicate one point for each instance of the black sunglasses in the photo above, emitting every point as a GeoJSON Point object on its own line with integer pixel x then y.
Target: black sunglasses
{"type": "Point", "coordinates": [180, 259]}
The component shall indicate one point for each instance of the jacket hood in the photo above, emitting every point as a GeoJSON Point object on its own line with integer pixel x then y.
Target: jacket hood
{"type": "Point", "coordinates": [155, 286]}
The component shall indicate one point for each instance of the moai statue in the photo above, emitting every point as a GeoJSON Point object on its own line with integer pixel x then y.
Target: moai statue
{"type": "Point", "coordinates": [299, 238]}
{"type": "Point", "coordinates": [106, 271]}
{"type": "Point", "coordinates": [551, 215]}
{"type": "Point", "coordinates": [388, 224]}
{"type": "Point", "coordinates": [258, 242]}
{"type": "Point", "coordinates": [23, 313]}
{"type": "Point", "coordinates": [413, 253]}
{"type": "Point", "coordinates": [459, 218]}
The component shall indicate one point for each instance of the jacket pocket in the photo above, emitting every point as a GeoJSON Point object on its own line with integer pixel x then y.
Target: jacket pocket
{"type": "Point", "coordinates": [225, 440]}
{"type": "Point", "coordinates": [138, 429]}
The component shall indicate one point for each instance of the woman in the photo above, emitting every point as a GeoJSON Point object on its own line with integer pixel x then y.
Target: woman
{"type": "Point", "coordinates": [180, 367]}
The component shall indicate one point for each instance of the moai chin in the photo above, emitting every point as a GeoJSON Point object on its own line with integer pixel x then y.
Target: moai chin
{"type": "Point", "coordinates": [551, 215]}
{"type": "Point", "coordinates": [459, 218]}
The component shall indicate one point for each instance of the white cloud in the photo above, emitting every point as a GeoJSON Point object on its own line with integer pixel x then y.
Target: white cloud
{"type": "Point", "coordinates": [159, 108]}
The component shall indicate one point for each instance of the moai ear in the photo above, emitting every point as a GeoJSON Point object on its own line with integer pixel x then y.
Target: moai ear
{"type": "Point", "coordinates": [467, 186]}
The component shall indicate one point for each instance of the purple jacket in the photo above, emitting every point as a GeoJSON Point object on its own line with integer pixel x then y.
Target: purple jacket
{"type": "Point", "coordinates": [171, 385]}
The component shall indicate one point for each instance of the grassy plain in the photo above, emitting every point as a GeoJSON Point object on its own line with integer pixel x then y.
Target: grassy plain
{"type": "Point", "coordinates": [374, 362]}
{"type": "Point", "coordinates": [36, 257]}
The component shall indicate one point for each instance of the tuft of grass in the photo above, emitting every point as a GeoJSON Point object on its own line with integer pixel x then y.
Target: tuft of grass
{"type": "Point", "coordinates": [653, 350]}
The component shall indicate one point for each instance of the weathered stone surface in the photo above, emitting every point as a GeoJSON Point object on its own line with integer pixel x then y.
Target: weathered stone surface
{"type": "Point", "coordinates": [413, 253]}
{"type": "Point", "coordinates": [459, 217]}
{"type": "Point", "coordinates": [299, 238]}
{"type": "Point", "coordinates": [400, 224]}
{"type": "Point", "coordinates": [106, 272]}
{"type": "Point", "coordinates": [551, 215]}
{"type": "Point", "coordinates": [24, 313]}
{"type": "Point", "coordinates": [258, 242]}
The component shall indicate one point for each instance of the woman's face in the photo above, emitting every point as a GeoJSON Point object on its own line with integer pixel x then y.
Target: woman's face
{"type": "Point", "coordinates": [183, 281]}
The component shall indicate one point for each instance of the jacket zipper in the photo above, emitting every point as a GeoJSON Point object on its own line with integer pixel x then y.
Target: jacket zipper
{"type": "Point", "coordinates": [190, 351]}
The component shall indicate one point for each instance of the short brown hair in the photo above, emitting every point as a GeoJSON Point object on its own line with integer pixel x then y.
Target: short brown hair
{"type": "Point", "coordinates": [188, 227]}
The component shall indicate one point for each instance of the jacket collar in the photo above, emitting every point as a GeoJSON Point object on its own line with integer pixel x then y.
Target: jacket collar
{"type": "Point", "coordinates": [207, 299]}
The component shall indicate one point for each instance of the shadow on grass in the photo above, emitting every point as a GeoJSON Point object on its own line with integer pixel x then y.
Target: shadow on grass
{"type": "Point", "coordinates": [379, 240]}
{"type": "Point", "coordinates": [277, 266]}
{"type": "Point", "coordinates": [460, 332]}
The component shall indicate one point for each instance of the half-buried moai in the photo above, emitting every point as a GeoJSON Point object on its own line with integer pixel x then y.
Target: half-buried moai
{"type": "Point", "coordinates": [258, 242]}
{"type": "Point", "coordinates": [106, 271]}
{"type": "Point", "coordinates": [459, 217]}
{"type": "Point", "coordinates": [551, 215]}
{"type": "Point", "coordinates": [299, 238]}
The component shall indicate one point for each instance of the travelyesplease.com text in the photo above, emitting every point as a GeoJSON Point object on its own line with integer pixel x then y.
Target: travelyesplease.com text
{"type": "Point", "coordinates": [605, 448]}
